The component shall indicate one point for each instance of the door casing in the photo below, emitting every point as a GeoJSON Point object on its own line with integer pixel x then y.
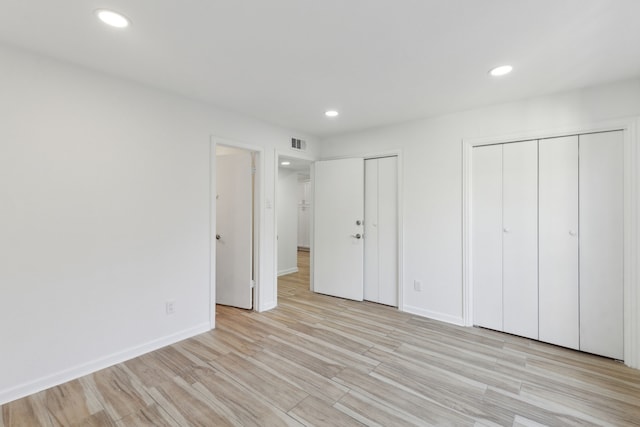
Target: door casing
{"type": "Point", "coordinates": [259, 264]}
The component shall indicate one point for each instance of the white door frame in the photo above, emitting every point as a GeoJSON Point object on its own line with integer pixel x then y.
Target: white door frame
{"type": "Point", "coordinates": [259, 229]}
{"type": "Point", "coordinates": [630, 127]}
{"type": "Point", "coordinates": [375, 155]}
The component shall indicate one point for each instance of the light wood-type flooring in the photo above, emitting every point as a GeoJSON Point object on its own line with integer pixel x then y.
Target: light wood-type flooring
{"type": "Point", "coordinates": [318, 360]}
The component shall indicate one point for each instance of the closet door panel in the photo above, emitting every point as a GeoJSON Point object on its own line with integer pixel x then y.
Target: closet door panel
{"type": "Point", "coordinates": [601, 243]}
{"type": "Point", "coordinates": [381, 231]}
{"type": "Point", "coordinates": [371, 265]}
{"type": "Point", "coordinates": [558, 241]}
{"type": "Point", "coordinates": [520, 238]}
{"type": "Point", "coordinates": [486, 206]}
{"type": "Point", "coordinates": [388, 229]}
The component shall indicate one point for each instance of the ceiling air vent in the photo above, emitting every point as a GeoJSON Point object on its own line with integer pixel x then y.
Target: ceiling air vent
{"type": "Point", "coordinates": [298, 144]}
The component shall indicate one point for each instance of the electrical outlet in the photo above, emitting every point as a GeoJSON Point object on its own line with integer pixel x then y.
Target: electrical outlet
{"type": "Point", "coordinates": [170, 307]}
{"type": "Point", "coordinates": [417, 285]}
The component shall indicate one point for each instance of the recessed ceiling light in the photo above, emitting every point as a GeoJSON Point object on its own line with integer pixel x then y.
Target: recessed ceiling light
{"type": "Point", "coordinates": [331, 113]}
{"type": "Point", "coordinates": [285, 163]}
{"type": "Point", "coordinates": [112, 18]}
{"type": "Point", "coordinates": [501, 70]}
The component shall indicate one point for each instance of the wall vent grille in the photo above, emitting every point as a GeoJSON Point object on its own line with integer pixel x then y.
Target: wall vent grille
{"type": "Point", "coordinates": [298, 144]}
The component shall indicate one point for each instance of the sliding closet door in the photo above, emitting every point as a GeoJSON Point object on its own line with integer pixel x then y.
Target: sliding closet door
{"type": "Point", "coordinates": [486, 206]}
{"type": "Point", "coordinates": [381, 231]}
{"type": "Point", "coordinates": [601, 243]}
{"type": "Point", "coordinates": [558, 241]}
{"type": "Point", "coordinates": [388, 230]}
{"type": "Point", "coordinates": [520, 238]}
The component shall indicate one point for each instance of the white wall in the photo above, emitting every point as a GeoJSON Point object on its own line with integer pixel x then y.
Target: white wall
{"type": "Point", "coordinates": [104, 216]}
{"type": "Point", "coordinates": [432, 177]}
{"type": "Point", "coordinates": [287, 221]}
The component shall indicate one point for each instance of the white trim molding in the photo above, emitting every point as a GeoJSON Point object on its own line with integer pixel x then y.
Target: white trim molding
{"type": "Point", "coordinates": [434, 315]}
{"type": "Point", "coordinates": [630, 127]}
{"type": "Point", "coordinates": [287, 271]}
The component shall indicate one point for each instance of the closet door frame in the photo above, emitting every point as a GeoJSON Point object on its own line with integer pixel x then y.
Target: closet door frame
{"type": "Point", "coordinates": [400, 216]}
{"type": "Point", "coordinates": [630, 128]}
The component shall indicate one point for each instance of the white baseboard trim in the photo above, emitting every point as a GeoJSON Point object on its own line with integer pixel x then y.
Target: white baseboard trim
{"type": "Point", "coordinates": [287, 271]}
{"type": "Point", "coordinates": [35, 386]}
{"type": "Point", "coordinates": [447, 318]}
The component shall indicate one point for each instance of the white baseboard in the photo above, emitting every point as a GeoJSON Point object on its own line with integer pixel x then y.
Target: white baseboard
{"type": "Point", "coordinates": [35, 386]}
{"type": "Point", "coordinates": [447, 318]}
{"type": "Point", "coordinates": [287, 271]}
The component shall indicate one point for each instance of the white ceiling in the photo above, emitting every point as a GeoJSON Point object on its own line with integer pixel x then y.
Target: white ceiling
{"type": "Point", "coordinates": [376, 61]}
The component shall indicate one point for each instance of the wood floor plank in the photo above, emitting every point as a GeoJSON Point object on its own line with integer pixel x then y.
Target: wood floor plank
{"type": "Point", "coordinates": [25, 413]}
{"type": "Point", "coordinates": [315, 412]}
{"type": "Point", "coordinates": [587, 402]}
{"type": "Point", "coordinates": [374, 413]}
{"type": "Point", "coordinates": [401, 398]}
{"type": "Point", "coordinates": [150, 416]}
{"type": "Point", "coordinates": [541, 411]}
{"type": "Point", "coordinates": [67, 403]}
{"type": "Point", "coordinates": [188, 406]}
{"type": "Point", "coordinates": [274, 389]}
{"type": "Point", "coordinates": [306, 379]}
{"type": "Point", "coordinates": [304, 357]}
{"type": "Point", "coordinates": [116, 392]}
{"type": "Point", "coordinates": [227, 394]}
{"type": "Point", "coordinates": [99, 419]}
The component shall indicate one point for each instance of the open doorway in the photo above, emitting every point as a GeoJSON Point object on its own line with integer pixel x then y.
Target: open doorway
{"type": "Point", "coordinates": [235, 226]}
{"type": "Point", "coordinates": [294, 200]}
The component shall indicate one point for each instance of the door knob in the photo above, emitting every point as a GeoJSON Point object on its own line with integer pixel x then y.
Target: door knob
{"type": "Point", "coordinates": [572, 233]}
{"type": "Point", "coordinates": [358, 222]}
{"type": "Point", "coordinates": [357, 236]}
{"type": "Point", "coordinates": [506, 230]}
{"type": "Point", "coordinates": [217, 237]}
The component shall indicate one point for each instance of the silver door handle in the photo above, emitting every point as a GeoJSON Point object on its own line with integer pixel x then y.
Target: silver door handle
{"type": "Point", "coordinates": [218, 237]}
{"type": "Point", "coordinates": [506, 230]}
{"type": "Point", "coordinates": [357, 236]}
{"type": "Point", "coordinates": [572, 233]}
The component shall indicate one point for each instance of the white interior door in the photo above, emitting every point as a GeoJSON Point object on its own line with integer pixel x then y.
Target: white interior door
{"type": "Point", "coordinates": [338, 206]}
{"type": "Point", "coordinates": [381, 231]}
{"type": "Point", "coordinates": [520, 238]}
{"type": "Point", "coordinates": [558, 241]}
{"type": "Point", "coordinates": [234, 229]}
{"type": "Point", "coordinates": [601, 243]}
{"type": "Point", "coordinates": [486, 206]}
